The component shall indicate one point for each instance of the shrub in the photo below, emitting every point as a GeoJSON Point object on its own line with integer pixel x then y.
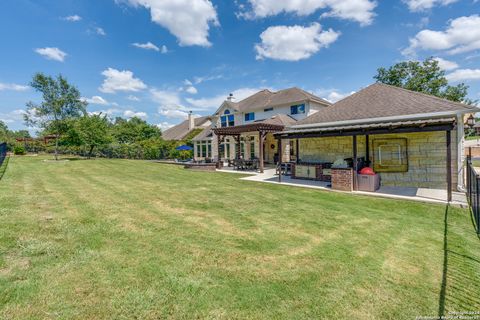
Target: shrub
{"type": "Point", "coordinates": [19, 150]}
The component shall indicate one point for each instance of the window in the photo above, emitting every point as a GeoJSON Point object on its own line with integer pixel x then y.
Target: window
{"type": "Point", "coordinates": [297, 109]}
{"type": "Point", "coordinates": [252, 147]}
{"type": "Point", "coordinates": [204, 149]}
{"type": "Point", "coordinates": [227, 154]}
{"type": "Point", "coordinates": [227, 120]}
{"type": "Point", "coordinates": [267, 109]}
{"type": "Point", "coordinates": [199, 153]}
{"type": "Point", "coordinates": [209, 149]}
{"type": "Point", "coordinates": [250, 116]}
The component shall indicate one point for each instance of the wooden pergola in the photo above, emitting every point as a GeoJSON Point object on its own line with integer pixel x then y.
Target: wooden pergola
{"type": "Point", "coordinates": [446, 125]}
{"type": "Point", "coordinates": [261, 127]}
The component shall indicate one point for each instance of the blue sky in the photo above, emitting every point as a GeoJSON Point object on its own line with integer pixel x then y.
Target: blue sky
{"type": "Point", "coordinates": [158, 59]}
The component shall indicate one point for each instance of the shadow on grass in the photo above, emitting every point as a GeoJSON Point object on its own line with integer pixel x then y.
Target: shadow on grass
{"type": "Point", "coordinates": [459, 290]}
{"type": "Point", "coordinates": [3, 167]}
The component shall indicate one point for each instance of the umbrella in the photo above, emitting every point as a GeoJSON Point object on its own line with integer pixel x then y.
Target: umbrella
{"type": "Point", "coordinates": [184, 148]}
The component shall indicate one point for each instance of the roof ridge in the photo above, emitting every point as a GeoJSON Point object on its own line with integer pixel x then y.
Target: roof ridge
{"type": "Point", "coordinates": [423, 94]}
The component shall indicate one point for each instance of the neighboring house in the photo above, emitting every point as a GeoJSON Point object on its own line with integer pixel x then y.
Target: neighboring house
{"type": "Point", "coordinates": [411, 139]}
{"type": "Point", "coordinates": [245, 128]}
{"type": "Point", "coordinates": [182, 130]}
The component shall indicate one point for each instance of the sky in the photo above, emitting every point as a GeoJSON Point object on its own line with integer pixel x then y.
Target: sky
{"type": "Point", "coordinates": [159, 59]}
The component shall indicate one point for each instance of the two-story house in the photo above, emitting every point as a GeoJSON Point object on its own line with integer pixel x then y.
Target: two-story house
{"type": "Point", "coordinates": [245, 128]}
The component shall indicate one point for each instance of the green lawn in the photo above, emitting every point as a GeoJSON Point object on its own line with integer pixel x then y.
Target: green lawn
{"type": "Point", "coordinates": [119, 239]}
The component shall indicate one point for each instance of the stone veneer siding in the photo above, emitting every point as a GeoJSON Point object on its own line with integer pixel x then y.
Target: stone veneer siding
{"type": "Point", "coordinates": [426, 157]}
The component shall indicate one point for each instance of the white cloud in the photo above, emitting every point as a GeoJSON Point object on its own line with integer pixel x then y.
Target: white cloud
{"type": "Point", "coordinates": [167, 99]}
{"type": "Point", "coordinates": [461, 35]}
{"type": "Point", "coordinates": [199, 80]}
{"type": "Point", "coordinates": [73, 18]}
{"type": "Point", "coordinates": [293, 43]}
{"type": "Point", "coordinates": [356, 10]}
{"type": "Point", "coordinates": [12, 116]}
{"type": "Point", "coordinates": [51, 53]}
{"type": "Point", "coordinates": [13, 87]}
{"type": "Point", "coordinates": [446, 64]}
{"type": "Point", "coordinates": [332, 95]}
{"type": "Point", "coordinates": [133, 98]}
{"type": "Point", "coordinates": [173, 114]}
{"type": "Point", "coordinates": [188, 20]}
{"type": "Point", "coordinates": [116, 80]}
{"type": "Point", "coordinates": [109, 112]}
{"type": "Point", "coordinates": [191, 90]}
{"type": "Point", "coordinates": [165, 125]}
{"type": "Point", "coordinates": [100, 31]}
{"type": "Point", "coordinates": [96, 100]}
{"type": "Point", "coordinates": [213, 103]}
{"type": "Point", "coordinates": [146, 46]}
{"type": "Point", "coordinates": [150, 46]}
{"type": "Point", "coordinates": [420, 5]}
{"type": "Point", "coordinates": [131, 114]}
{"type": "Point", "coordinates": [464, 75]}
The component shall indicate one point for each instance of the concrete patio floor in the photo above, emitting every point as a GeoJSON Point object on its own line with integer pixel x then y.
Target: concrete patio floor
{"type": "Point", "coordinates": [406, 193]}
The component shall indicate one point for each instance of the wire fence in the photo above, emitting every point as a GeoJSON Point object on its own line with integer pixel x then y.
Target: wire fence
{"type": "Point", "coordinates": [473, 191]}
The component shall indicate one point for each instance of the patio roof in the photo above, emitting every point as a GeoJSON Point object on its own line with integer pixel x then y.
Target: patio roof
{"type": "Point", "coordinates": [372, 128]}
{"type": "Point", "coordinates": [260, 126]}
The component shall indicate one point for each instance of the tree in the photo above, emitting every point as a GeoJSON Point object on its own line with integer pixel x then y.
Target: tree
{"type": "Point", "coordinates": [61, 103]}
{"type": "Point", "coordinates": [426, 77]}
{"type": "Point", "coordinates": [93, 131]}
{"type": "Point", "coordinates": [134, 130]}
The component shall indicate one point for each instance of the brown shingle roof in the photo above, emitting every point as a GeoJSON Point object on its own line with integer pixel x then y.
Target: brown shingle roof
{"type": "Point", "coordinates": [267, 98]}
{"type": "Point", "coordinates": [180, 131]}
{"type": "Point", "coordinates": [281, 119]}
{"type": "Point", "coordinates": [206, 134]}
{"type": "Point", "coordinates": [381, 100]}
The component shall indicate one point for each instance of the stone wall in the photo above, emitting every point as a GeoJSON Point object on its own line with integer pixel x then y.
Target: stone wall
{"type": "Point", "coordinates": [426, 157]}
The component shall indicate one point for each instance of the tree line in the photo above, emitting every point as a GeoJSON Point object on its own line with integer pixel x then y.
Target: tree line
{"type": "Point", "coordinates": [62, 116]}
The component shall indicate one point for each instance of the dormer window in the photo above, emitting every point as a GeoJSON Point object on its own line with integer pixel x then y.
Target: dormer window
{"type": "Point", "coordinates": [250, 116]}
{"type": "Point", "coordinates": [297, 109]}
{"type": "Point", "coordinates": [227, 120]}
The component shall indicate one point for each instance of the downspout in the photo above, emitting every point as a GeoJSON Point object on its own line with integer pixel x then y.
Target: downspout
{"type": "Point", "coordinates": [460, 152]}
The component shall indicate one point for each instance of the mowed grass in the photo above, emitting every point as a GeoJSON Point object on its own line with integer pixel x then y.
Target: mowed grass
{"type": "Point", "coordinates": [119, 239]}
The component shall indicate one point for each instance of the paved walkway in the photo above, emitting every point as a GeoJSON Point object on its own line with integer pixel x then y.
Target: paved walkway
{"type": "Point", "coordinates": [415, 194]}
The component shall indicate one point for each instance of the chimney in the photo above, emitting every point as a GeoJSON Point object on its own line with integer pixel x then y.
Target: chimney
{"type": "Point", "coordinates": [191, 121]}
{"type": "Point", "coordinates": [230, 97]}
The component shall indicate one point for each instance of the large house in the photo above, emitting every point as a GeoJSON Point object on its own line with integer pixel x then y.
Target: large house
{"type": "Point", "coordinates": [245, 128]}
{"type": "Point", "coordinates": [410, 139]}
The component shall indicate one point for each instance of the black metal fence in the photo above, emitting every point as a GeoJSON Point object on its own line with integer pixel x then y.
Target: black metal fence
{"type": "Point", "coordinates": [3, 152]}
{"type": "Point", "coordinates": [473, 191]}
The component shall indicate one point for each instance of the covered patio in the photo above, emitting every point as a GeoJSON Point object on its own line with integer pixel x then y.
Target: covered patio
{"type": "Point", "coordinates": [421, 144]}
{"type": "Point", "coordinates": [261, 129]}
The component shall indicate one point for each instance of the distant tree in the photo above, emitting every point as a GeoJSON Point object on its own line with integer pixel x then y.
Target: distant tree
{"type": "Point", "coordinates": [3, 132]}
{"type": "Point", "coordinates": [61, 102]}
{"type": "Point", "coordinates": [134, 130]}
{"type": "Point", "coordinates": [93, 131]}
{"type": "Point", "coordinates": [426, 77]}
